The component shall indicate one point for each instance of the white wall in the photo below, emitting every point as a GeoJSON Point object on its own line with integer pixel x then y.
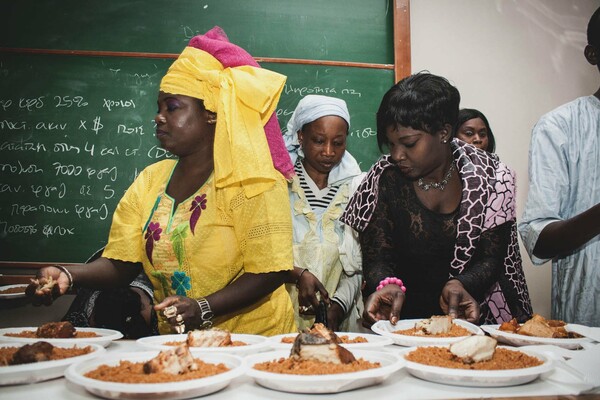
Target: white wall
{"type": "Point", "coordinates": [514, 61]}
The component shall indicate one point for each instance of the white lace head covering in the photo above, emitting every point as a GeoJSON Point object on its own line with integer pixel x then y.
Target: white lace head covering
{"type": "Point", "coordinates": [309, 109]}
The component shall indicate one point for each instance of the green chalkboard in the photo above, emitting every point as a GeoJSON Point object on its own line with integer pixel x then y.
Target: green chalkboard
{"type": "Point", "coordinates": [347, 30]}
{"type": "Point", "coordinates": [76, 130]}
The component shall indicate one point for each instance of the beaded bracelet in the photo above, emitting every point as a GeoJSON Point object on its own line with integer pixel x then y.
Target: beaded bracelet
{"type": "Point", "coordinates": [68, 274]}
{"type": "Point", "coordinates": [391, 281]}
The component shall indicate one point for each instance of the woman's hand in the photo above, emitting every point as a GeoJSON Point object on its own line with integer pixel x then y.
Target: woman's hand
{"type": "Point", "coordinates": [185, 316]}
{"type": "Point", "coordinates": [384, 304]}
{"type": "Point", "coordinates": [335, 315]}
{"type": "Point", "coordinates": [49, 283]}
{"type": "Point", "coordinates": [308, 286]}
{"type": "Point", "coordinates": [458, 303]}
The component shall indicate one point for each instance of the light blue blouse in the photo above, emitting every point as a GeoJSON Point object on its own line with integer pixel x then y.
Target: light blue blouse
{"type": "Point", "coordinates": [564, 174]}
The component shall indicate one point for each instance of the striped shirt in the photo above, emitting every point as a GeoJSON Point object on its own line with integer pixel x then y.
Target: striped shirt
{"type": "Point", "coordinates": [317, 198]}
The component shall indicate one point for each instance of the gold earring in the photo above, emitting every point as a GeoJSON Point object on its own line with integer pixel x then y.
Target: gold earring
{"type": "Point", "coordinates": [212, 121]}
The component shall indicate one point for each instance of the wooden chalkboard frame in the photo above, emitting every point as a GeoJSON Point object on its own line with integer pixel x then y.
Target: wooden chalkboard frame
{"type": "Point", "coordinates": [20, 272]}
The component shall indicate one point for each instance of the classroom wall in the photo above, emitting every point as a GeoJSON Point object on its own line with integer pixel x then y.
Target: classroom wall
{"type": "Point", "coordinates": [514, 61]}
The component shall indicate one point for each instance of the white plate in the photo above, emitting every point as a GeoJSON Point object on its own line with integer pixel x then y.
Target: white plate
{"type": "Point", "coordinates": [255, 344]}
{"type": "Point", "coordinates": [515, 339]}
{"type": "Point", "coordinates": [333, 383]}
{"type": "Point", "coordinates": [476, 378]}
{"type": "Point", "coordinates": [12, 295]}
{"type": "Point", "coordinates": [373, 341]}
{"type": "Point", "coordinates": [43, 370]}
{"type": "Point", "coordinates": [163, 391]}
{"type": "Point", "coordinates": [385, 328]}
{"type": "Point", "coordinates": [105, 336]}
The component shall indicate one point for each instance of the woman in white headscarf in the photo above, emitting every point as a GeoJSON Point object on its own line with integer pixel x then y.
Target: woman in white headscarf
{"type": "Point", "coordinates": [327, 260]}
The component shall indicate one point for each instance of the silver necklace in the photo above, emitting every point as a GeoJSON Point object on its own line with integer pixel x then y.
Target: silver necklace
{"type": "Point", "coordinates": [441, 185]}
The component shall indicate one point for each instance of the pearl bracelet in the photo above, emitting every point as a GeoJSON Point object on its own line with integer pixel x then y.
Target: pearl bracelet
{"type": "Point", "coordinates": [68, 274]}
{"type": "Point", "coordinates": [391, 281]}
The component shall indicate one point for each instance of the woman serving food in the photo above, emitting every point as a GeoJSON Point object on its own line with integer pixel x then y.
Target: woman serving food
{"type": "Point", "coordinates": [211, 229]}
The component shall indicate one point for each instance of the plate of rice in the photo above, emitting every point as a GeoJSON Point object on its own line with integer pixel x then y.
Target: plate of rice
{"type": "Point", "coordinates": [63, 355]}
{"type": "Point", "coordinates": [350, 340]}
{"type": "Point", "coordinates": [121, 376]}
{"type": "Point", "coordinates": [508, 367]}
{"type": "Point", "coordinates": [12, 291]}
{"type": "Point", "coordinates": [99, 336]}
{"type": "Point", "coordinates": [241, 344]}
{"type": "Point", "coordinates": [403, 333]}
{"type": "Point", "coordinates": [276, 370]}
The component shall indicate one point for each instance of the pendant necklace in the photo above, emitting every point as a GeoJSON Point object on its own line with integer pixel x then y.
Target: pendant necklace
{"type": "Point", "coordinates": [441, 185]}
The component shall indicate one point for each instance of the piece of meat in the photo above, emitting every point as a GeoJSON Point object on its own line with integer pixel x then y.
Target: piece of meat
{"type": "Point", "coordinates": [510, 326]}
{"type": "Point", "coordinates": [32, 353]}
{"type": "Point", "coordinates": [53, 330]}
{"type": "Point", "coordinates": [317, 347]}
{"type": "Point", "coordinates": [322, 330]}
{"type": "Point", "coordinates": [474, 349]}
{"type": "Point", "coordinates": [209, 338]}
{"type": "Point", "coordinates": [435, 325]}
{"type": "Point", "coordinates": [173, 361]}
{"type": "Point", "coordinates": [43, 287]}
{"type": "Point", "coordinates": [536, 327]}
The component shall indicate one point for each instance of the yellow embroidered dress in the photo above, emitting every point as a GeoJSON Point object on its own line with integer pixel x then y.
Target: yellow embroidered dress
{"type": "Point", "coordinates": [206, 243]}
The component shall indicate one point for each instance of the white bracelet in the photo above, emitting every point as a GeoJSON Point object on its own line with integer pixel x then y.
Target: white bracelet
{"type": "Point", "coordinates": [68, 274]}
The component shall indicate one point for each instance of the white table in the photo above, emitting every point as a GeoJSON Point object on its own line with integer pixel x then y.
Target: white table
{"type": "Point", "coordinates": [400, 385]}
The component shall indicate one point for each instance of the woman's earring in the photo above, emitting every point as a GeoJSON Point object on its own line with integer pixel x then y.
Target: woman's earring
{"type": "Point", "coordinates": [445, 141]}
{"type": "Point", "coordinates": [212, 121]}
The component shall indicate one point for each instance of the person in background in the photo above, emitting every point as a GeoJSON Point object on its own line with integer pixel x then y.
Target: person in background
{"type": "Point", "coordinates": [212, 228]}
{"type": "Point", "coordinates": [326, 252]}
{"type": "Point", "coordinates": [436, 217]}
{"type": "Point", "coordinates": [473, 127]}
{"type": "Point", "coordinates": [128, 310]}
{"type": "Point", "coordinates": [561, 221]}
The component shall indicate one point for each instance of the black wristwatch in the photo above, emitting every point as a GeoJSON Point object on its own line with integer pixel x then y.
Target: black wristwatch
{"type": "Point", "coordinates": [206, 313]}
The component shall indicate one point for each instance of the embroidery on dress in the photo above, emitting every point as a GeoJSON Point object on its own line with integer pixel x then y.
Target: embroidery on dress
{"type": "Point", "coordinates": [152, 235]}
{"type": "Point", "coordinates": [178, 242]}
{"type": "Point", "coordinates": [180, 282]}
{"type": "Point", "coordinates": [198, 204]}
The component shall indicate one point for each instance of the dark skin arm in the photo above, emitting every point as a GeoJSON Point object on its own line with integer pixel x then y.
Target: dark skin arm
{"type": "Point", "coordinates": [246, 290]}
{"type": "Point", "coordinates": [308, 287]}
{"type": "Point", "coordinates": [563, 237]}
{"type": "Point", "coordinates": [102, 273]}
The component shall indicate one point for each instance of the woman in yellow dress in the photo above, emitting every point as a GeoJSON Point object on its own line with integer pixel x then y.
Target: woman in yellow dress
{"type": "Point", "coordinates": [212, 228]}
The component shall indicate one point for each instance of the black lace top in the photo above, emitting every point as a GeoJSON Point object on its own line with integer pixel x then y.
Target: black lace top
{"type": "Point", "coordinates": [406, 240]}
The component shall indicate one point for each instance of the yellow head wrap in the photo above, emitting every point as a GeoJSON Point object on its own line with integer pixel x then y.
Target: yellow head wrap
{"type": "Point", "coordinates": [244, 98]}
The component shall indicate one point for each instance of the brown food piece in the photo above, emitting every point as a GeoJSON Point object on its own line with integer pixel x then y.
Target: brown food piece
{"type": "Point", "coordinates": [173, 361]}
{"type": "Point", "coordinates": [209, 338]}
{"type": "Point", "coordinates": [53, 330]}
{"type": "Point", "coordinates": [32, 353]}
{"type": "Point", "coordinates": [320, 345]}
{"type": "Point", "coordinates": [510, 326]}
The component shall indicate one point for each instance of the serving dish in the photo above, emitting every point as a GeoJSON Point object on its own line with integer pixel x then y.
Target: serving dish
{"type": "Point", "coordinates": [43, 370]}
{"type": "Point", "coordinates": [163, 391]}
{"type": "Point", "coordinates": [373, 341]}
{"type": "Point", "coordinates": [255, 344]}
{"type": "Point", "coordinates": [477, 378]}
{"type": "Point", "coordinates": [515, 339]}
{"type": "Point", "coordinates": [17, 295]}
{"type": "Point", "coordinates": [385, 328]}
{"type": "Point", "coordinates": [104, 338]}
{"type": "Point", "coordinates": [332, 383]}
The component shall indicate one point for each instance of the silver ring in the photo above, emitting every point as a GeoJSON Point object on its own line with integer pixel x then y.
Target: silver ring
{"type": "Point", "coordinates": [170, 311]}
{"type": "Point", "coordinates": [180, 328]}
{"type": "Point", "coordinates": [304, 309]}
{"type": "Point", "coordinates": [179, 318]}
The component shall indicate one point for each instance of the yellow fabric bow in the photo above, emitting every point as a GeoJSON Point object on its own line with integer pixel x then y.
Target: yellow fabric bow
{"type": "Point", "coordinates": [244, 98]}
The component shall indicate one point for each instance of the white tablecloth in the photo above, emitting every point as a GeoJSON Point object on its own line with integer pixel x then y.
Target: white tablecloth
{"type": "Point", "coordinates": [400, 385]}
